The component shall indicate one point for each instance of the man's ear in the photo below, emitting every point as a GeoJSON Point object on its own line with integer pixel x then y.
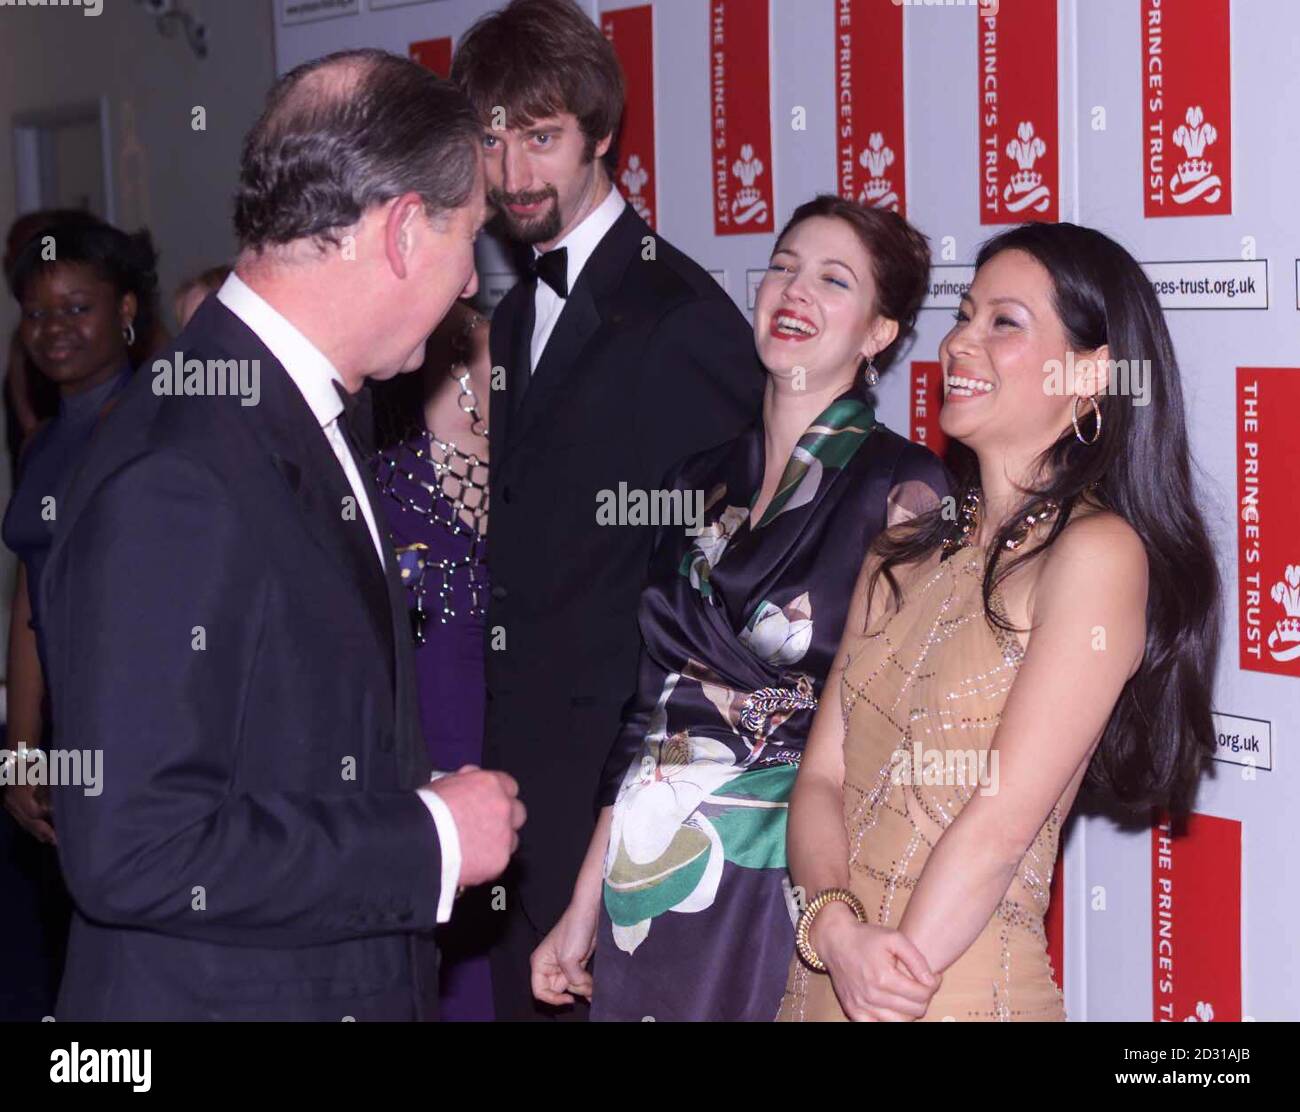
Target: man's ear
{"type": "Point", "coordinates": [882, 333]}
{"type": "Point", "coordinates": [603, 146]}
{"type": "Point", "coordinates": [399, 231]}
{"type": "Point", "coordinates": [1092, 371]}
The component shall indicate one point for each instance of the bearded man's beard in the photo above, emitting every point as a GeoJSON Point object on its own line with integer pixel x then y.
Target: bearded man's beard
{"type": "Point", "coordinates": [529, 229]}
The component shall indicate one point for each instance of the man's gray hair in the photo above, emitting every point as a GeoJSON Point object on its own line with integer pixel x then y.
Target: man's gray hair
{"type": "Point", "coordinates": [345, 133]}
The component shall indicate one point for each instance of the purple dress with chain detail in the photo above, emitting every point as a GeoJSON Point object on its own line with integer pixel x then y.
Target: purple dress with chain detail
{"type": "Point", "coordinates": [443, 561]}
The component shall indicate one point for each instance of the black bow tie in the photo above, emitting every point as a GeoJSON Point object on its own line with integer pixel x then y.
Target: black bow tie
{"type": "Point", "coordinates": [553, 269]}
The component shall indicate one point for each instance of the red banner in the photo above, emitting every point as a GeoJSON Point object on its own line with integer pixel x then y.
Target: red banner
{"type": "Point", "coordinates": [926, 401]}
{"type": "Point", "coordinates": [1186, 108]}
{"type": "Point", "coordinates": [742, 118]}
{"type": "Point", "coordinates": [1268, 532]}
{"type": "Point", "coordinates": [869, 145]}
{"type": "Point", "coordinates": [1196, 920]}
{"type": "Point", "coordinates": [1019, 144]}
{"type": "Point", "coordinates": [433, 54]}
{"type": "Point", "coordinates": [631, 33]}
{"type": "Point", "coordinates": [1055, 921]}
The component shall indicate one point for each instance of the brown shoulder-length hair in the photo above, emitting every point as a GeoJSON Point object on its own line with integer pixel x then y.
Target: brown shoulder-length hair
{"type": "Point", "coordinates": [900, 261]}
{"type": "Point", "coordinates": [536, 58]}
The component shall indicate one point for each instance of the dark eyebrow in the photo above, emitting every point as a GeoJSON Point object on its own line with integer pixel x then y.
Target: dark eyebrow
{"type": "Point", "coordinates": [1001, 301]}
{"type": "Point", "coordinates": [828, 262]}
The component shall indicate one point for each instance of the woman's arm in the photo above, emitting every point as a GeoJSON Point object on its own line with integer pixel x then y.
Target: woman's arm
{"type": "Point", "coordinates": [1087, 617]}
{"type": "Point", "coordinates": [559, 964]}
{"type": "Point", "coordinates": [816, 841]}
{"type": "Point", "coordinates": [25, 692]}
{"type": "Point", "coordinates": [876, 972]}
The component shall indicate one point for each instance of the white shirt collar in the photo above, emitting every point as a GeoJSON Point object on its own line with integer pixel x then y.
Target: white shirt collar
{"type": "Point", "coordinates": [586, 237]}
{"type": "Point", "coordinates": [311, 371]}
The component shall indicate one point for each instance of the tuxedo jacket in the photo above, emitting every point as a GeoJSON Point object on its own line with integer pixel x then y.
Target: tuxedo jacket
{"type": "Point", "coordinates": [649, 361]}
{"type": "Point", "coordinates": [220, 627]}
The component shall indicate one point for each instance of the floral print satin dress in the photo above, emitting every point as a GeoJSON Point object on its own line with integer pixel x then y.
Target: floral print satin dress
{"type": "Point", "coordinates": [740, 624]}
{"type": "Point", "coordinates": [923, 690]}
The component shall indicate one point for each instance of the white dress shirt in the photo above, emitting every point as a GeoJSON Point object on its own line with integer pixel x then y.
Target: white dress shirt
{"type": "Point", "coordinates": [581, 242]}
{"type": "Point", "coordinates": [315, 375]}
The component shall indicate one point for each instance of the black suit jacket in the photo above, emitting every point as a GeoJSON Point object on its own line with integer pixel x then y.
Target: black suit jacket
{"type": "Point", "coordinates": [220, 627]}
{"type": "Point", "coordinates": [649, 361]}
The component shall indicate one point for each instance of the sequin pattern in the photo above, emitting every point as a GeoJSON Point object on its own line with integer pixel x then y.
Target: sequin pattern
{"type": "Point", "coordinates": [930, 680]}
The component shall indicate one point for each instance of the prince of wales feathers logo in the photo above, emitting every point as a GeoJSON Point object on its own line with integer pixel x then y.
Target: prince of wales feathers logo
{"type": "Point", "coordinates": [634, 178]}
{"type": "Point", "coordinates": [1195, 177]}
{"type": "Point", "coordinates": [876, 158]}
{"type": "Point", "coordinates": [749, 204]}
{"type": "Point", "coordinates": [1026, 188]}
{"type": "Point", "coordinates": [1284, 640]}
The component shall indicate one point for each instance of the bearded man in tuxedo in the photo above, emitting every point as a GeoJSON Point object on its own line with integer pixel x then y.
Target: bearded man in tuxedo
{"type": "Point", "coordinates": [621, 356]}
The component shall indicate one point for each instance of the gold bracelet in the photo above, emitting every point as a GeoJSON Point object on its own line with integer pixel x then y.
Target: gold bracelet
{"type": "Point", "coordinates": [824, 897]}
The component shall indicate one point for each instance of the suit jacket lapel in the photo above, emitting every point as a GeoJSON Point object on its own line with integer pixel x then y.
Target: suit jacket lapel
{"type": "Point", "coordinates": [519, 376]}
{"type": "Point", "coordinates": [579, 320]}
{"type": "Point", "coordinates": [413, 761]}
{"type": "Point", "coordinates": [297, 447]}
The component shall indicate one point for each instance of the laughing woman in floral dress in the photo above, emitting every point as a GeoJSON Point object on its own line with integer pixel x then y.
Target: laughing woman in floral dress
{"type": "Point", "coordinates": [683, 898]}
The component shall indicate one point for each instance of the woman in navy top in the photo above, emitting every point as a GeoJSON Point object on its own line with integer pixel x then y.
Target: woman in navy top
{"type": "Point", "coordinates": [85, 289]}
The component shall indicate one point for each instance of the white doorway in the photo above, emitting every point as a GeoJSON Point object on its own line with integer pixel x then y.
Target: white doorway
{"type": "Point", "coordinates": [62, 160]}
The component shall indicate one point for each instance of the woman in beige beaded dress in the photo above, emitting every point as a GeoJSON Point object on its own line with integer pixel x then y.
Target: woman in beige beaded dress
{"type": "Point", "coordinates": [1060, 627]}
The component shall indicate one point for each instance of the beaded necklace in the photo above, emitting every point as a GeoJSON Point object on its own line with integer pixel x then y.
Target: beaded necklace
{"type": "Point", "coordinates": [968, 523]}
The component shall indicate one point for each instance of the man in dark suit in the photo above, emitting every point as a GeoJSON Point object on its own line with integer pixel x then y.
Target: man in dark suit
{"type": "Point", "coordinates": [621, 356]}
{"type": "Point", "coordinates": [224, 617]}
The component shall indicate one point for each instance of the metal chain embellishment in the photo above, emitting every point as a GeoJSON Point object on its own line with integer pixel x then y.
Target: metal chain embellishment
{"type": "Point", "coordinates": [457, 502]}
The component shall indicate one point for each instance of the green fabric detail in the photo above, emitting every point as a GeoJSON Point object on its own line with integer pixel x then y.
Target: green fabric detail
{"type": "Point", "coordinates": [770, 784]}
{"type": "Point", "coordinates": [832, 439]}
{"type": "Point", "coordinates": [753, 838]}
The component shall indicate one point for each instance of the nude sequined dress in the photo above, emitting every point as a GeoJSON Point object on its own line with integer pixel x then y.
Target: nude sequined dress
{"type": "Point", "coordinates": [935, 674]}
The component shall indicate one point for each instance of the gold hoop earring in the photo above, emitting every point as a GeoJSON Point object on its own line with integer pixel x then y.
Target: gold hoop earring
{"type": "Point", "coordinates": [1074, 418]}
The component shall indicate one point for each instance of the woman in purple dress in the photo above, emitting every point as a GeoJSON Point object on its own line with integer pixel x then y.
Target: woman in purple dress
{"type": "Point", "coordinates": [432, 472]}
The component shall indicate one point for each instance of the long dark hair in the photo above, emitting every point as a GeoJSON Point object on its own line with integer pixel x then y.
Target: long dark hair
{"type": "Point", "coordinates": [1160, 733]}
